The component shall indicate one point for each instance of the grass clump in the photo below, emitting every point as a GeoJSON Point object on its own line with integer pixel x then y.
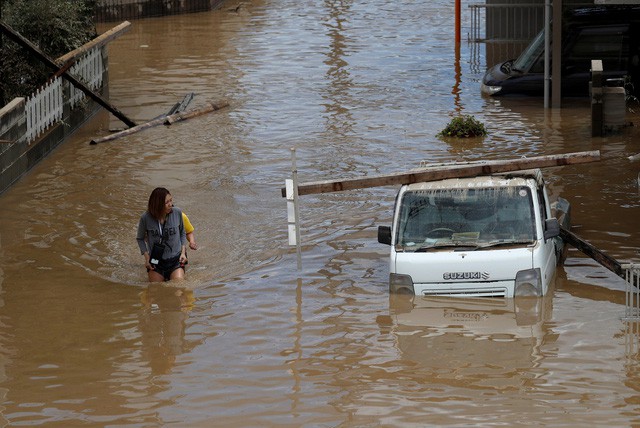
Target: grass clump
{"type": "Point", "coordinates": [463, 127]}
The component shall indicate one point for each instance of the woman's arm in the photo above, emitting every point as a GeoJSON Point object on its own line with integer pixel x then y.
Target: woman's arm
{"type": "Point", "coordinates": [141, 235]}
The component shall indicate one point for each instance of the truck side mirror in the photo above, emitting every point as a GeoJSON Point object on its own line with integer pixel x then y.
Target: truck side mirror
{"type": "Point", "coordinates": [551, 228]}
{"type": "Point", "coordinates": [384, 234]}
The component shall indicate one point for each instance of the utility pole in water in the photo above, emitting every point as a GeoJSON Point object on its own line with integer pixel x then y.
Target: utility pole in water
{"type": "Point", "coordinates": [457, 12]}
{"type": "Point", "coordinates": [2, 103]}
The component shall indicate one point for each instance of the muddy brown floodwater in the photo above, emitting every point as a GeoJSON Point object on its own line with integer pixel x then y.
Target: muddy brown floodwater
{"type": "Point", "coordinates": [359, 88]}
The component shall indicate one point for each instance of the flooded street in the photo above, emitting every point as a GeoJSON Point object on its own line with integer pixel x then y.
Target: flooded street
{"type": "Point", "coordinates": [359, 88]}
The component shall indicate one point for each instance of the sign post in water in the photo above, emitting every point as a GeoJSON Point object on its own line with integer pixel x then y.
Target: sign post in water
{"type": "Point", "coordinates": [293, 215]}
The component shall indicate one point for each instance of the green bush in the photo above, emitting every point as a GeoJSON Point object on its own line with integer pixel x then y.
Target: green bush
{"type": "Point", "coordinates": [55, 26]}
{"type": "Point", "coordinates": [463, 127]}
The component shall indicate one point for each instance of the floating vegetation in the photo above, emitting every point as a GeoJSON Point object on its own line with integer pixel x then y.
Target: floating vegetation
{"type": "Point", "coordinates": [463, 127]}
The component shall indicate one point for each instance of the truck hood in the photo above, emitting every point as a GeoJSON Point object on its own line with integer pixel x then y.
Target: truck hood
{"type": "Point", "coordinates": [450, 267]}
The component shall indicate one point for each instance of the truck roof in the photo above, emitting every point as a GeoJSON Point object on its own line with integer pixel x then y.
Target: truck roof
{"type": "Point", "coordinates": [514, 178]}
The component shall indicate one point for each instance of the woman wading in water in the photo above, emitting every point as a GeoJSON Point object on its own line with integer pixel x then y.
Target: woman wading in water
{"type": "Point", "coordinates": [162, 238]}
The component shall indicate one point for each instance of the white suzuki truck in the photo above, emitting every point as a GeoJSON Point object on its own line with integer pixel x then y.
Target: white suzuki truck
{"type": "Point", "coordinates": [486, 236]}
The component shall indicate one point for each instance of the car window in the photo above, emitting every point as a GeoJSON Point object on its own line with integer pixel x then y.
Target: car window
{"type": "Point", "coordinates": [531, 58]}
{"type": "Point", "coordinates": [609, 44]}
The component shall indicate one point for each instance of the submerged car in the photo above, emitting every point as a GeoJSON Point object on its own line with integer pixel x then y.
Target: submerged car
{"type": "Point", "coordinates": [607, 33]}
{"type": "Point", "coordinates": [486, 236]}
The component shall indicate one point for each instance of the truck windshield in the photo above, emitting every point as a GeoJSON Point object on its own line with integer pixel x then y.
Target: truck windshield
{"type": "Point", "coordinates": [477, 218]}
{"type": "Point", "coordinates": [530, 56]}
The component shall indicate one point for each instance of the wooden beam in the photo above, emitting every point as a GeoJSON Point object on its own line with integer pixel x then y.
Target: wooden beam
{"type": "Point", "coordinates": [166, 120]}
{"type": "Point", "coordinates": [441, 172]}
{"type": "Point", "coordinates": [599, 256]}
{"type": "Point", "coordinates": [99, 41]}
{"type": "Point", "coordinates": [41, 56]}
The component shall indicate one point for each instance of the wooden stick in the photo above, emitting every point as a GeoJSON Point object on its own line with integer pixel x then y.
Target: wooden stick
{"type": "Point", "coordinates": [447, 171]}
{"type": "Point", "coordinates": [604, 259]}
{"type": "Point", "coordinates": [166, 120]}
{"type": "Point", "coordinates": [182, 105]}
{"type": "Point", "coordinates": [176, 108]}
{"type": "Point", "coordinates": [16, 37]}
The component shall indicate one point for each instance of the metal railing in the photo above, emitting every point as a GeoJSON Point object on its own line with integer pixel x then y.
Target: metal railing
{"type": "Point", "coordinates": [632, 299]}
{"type": "Point", "coordinates": [117, 10]}
{"type": "Point", "coordinates": [631, 317]}
{"type": "Point", "coordinates": [505, 22]}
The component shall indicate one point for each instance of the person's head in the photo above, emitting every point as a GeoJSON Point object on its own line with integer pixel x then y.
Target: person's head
{"type": "Point", "coordinates": [160, 203]}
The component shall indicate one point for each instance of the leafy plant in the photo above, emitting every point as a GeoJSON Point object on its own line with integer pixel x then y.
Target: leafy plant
{"type": "Point", "coordinates": [463, 127]}
{"type": "Point", "coordinates": [55, 26]}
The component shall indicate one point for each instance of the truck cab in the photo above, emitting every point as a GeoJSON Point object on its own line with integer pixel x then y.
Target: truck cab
{"type": "Point", "coordinates": [486, 236]}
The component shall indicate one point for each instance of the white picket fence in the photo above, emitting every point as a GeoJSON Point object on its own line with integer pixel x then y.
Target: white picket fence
{"type": "Point", "coordinates": [89, 71]}
{"type": "Point", "coordinates": [46, 106]}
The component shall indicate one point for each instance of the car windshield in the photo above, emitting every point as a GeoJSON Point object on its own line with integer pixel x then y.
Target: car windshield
{"type": "Point", "coordinates": [467, 218]}
{"type": "Point", "coordinates": [531, 54]}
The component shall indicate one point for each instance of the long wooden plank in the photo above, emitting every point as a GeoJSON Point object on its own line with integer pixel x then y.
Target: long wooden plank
{"type": "Point", "coordinates": [447, 171]}
{"type": "Point", "coordinates": [601, 257]}
{"type": "Point", "coordinates": [44, 58]}
{"type": "Point", "coordinates": [162, 120]}
{"type": "Point", "coordinates": [99, 41]}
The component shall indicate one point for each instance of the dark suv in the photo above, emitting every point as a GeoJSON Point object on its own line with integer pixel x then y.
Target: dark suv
{"type": "Point", "coordinates": [607, 33]}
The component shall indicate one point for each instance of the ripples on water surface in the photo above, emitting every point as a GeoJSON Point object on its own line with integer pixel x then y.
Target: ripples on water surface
{"type": "Point", "coordinates": [360, 88]}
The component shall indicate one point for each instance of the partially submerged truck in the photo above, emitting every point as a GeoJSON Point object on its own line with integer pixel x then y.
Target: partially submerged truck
{"type": "Point", "coordinates": [487, 236]}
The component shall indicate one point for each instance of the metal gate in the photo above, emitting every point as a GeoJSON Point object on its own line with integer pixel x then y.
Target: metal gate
{"type": "Point", "coordinates": [632, 300]}
{"type": "Point", "coordinates": [631, 317]}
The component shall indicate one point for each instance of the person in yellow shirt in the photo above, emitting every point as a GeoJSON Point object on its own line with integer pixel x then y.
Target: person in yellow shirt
{"type": "Point", "coordinates": [188, 228]}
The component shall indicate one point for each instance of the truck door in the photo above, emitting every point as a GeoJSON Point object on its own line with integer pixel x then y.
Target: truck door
{"type": "Point", "coordinates": [548, 250]}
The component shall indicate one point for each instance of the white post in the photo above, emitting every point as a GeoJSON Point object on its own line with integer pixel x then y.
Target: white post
{"type": "Point", "coordinates": [293, 213]}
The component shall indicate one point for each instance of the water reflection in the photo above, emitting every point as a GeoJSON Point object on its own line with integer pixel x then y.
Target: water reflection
{"type": "Point", "coordinates": [162, 325]}
{"type": "Point", "coordinates": [337, 99]}
{"type": "Point", "coordinates": [485, 343]}
{"type": "Point", "coordinates": [5, 340]}
{"type": "Point", "coordinates": [455, 91]}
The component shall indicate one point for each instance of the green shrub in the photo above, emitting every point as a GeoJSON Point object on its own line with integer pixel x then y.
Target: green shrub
{"type": "Point", "coordinates": [463, 127]}
{"type": "Point", "coordinates": [55, 26]}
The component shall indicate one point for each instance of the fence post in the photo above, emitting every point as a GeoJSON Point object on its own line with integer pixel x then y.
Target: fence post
{"type": "Point", "coordinates": [597, 111]}
{"type": "Point", "coordinates": [293, 213]}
